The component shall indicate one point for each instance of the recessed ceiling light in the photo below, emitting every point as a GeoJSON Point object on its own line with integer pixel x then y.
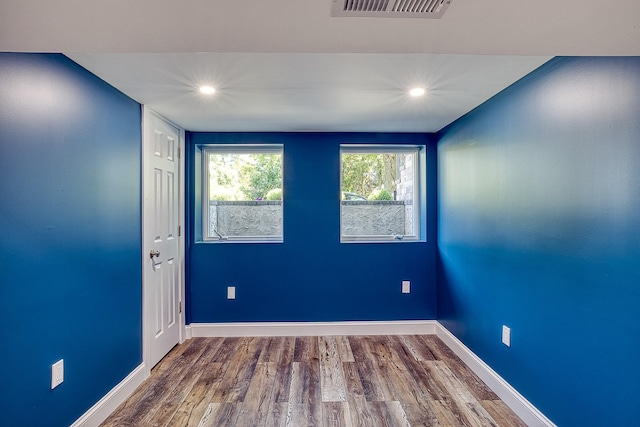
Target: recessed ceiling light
{"type": "Point", "coordinates": [417, 91]}
{"type": "Point", "coordinates": [207, 90]}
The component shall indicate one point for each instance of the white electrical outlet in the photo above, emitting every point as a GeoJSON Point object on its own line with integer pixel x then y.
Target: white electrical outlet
{"type": "Point", "coordinates": [57, 373]}
{"type": "Point", "coordinates": [506, 336]}
{"type": "Point", "coordinates": [406, 286]}
{"type": "Point", "coordinates": [231, 292]}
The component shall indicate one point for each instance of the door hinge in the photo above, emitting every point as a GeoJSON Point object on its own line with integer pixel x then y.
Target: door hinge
{"type": "Point", "coordinates": [179, 152]}
{"type": "Point", "coordinates": [180, 306]}
{"type": "Point", "coordinates": [179, 230]}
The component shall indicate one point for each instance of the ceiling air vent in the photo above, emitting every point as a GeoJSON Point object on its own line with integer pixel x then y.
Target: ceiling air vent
{"type": "Point", "coordinates": [390, 8]}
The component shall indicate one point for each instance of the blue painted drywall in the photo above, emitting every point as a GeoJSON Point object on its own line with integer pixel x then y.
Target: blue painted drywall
{"type": "Point", "coordinates": [539, 229]}
{"type": "Point", "coordinates": [70, 238]}
{"type": "Point", "coordinates": [311, 276]}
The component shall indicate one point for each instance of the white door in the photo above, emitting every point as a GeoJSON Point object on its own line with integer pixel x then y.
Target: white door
{"type": "Point", "coordinates": [161, 291]}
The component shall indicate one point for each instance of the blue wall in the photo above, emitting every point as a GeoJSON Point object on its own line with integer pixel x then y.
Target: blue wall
{"type": "Point", "coordinates": [70, 238]}
{"type": "Point", "coordinates": [539, 229]}
{"type": "Point", "coordinates": [311, 276]}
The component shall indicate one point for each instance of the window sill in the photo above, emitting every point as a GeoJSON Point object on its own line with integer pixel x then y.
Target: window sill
{"type": "Point", "coordinates": [242, 240]}
{"type": "Point", "coordinates": [380, 239]}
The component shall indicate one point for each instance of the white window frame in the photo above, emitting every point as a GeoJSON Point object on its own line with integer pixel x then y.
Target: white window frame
{"type": "Point", "coordinates": [418, 214]}
{"type": "Point", "coordinates": [204, 171]}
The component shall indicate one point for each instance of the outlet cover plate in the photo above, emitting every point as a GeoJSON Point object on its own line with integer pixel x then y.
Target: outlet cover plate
{"type": "Point", "coordinates": [57, 373]}
{"type": "Point", "coordinates": [406, 286]}
{"type": "Point", "coordinates": [231, 292]}
{"type": "Point", "coordinates": [506, 336]}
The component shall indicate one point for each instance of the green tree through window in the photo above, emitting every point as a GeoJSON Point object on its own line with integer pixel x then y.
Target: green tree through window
{"type": "Point", "coordinates": [364, 173]}
{"type": "Point", "coordinates": [243, 176]}
{"type": "Point", "coordinates": [261, 175]}
{"type": "Point", "coordinates": [242, 193]}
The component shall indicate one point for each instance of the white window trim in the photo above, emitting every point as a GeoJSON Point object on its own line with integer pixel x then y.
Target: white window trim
{"type": "Point", "coordinates": [418, 165]}
{"type": "Point", "coordinates": [233, 148]}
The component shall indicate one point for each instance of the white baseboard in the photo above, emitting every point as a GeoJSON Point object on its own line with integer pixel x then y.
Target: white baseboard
{"type": "Point", "coordinates": [105, 406]}
{"type": "Point", "coordinates": [299, 329]}
{"type": "Point", "coordinates": [509, 395]}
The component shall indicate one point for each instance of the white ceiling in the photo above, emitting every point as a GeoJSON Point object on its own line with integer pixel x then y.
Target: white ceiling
{"type": "Point", "coordinates": [288, 65]}
{"type": "Point", "coordinates": [309, 92]}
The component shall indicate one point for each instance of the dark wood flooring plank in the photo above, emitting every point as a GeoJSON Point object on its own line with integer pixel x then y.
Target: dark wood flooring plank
{"type": "Point", "coordinates": [471, 410]}
{"type": "Point", "coordinates": [158, 390]}
{"type": "Point", "coordinates": [415, 369]}
{"type": "Point", "coordinates": [373, 384]}
{"type": "Point", "coordinates": [170, 405]}
{"type": "Point", "coordinates": [174, 353]}
{"type": "Point", "coordinates": [413, 398]}
{"type": "Point", "coordinates": [228, 349]}
{"type": "Point", "coordinates": [272, 349]}
{"type": "Point", "coordinates": [462, 371]}
{"type": "Point", "coordinates": [359, 410]}
{"type": "Point", "coordinates": [389, 414]}
{"type": "Point", "coordinates": [237, 377]}
{"type": "Point", "coordinates": [344, 348]}
{"type": "Point", "coordinates": [475, 385]}
{"type": "Point", "coordinates": [416, 347]}
{"type": "Point", "coordinates": [314, 393]}
{"type": "Point", "coordinates": [127, 409]}
{"type": "Point", "coordinates": [427, 384]}
{"type": "Point", "coordinates": [438, 348]}
{"type": "Point", "coordinates": [306, 349]}
{"type": "Point", "coordinates": [193, 408]}
{"type": "Point", "coordinates": [366, 380]}
{"type": "Point", "coordinates": [434, 390]}
{"type": "Point", "coordinates": [257, 405]}
{"type": "Point", "coordinates": [283, 374]}
{"type": "Point", "coordinates": [305, 403]}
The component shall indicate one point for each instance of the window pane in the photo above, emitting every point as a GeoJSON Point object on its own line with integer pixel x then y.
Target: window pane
{"type": "Point", "coordinates": [379, 194]}
{"type": "Point", "coordinates": [244, 195]}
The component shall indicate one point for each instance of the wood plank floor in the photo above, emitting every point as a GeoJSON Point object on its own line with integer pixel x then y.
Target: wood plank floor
{"type": "Point", "coordinates": [313, 381]}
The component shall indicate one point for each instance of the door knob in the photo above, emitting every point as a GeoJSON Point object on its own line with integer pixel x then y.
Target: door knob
{"type": "Point", "coordinates": [153, 254]}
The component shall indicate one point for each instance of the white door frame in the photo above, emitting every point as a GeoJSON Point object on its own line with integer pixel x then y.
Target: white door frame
{"type": "Point", "coordinates": [147, 186]}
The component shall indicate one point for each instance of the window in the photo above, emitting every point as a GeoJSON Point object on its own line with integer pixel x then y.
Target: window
{"type": "Point", "coordinates": [242, 193]}
{"type": "Point", "coordinates": [381, 193]}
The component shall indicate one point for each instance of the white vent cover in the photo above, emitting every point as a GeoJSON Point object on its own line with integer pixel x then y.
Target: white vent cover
{"type": "Point", "coordinates": [390, 8]}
